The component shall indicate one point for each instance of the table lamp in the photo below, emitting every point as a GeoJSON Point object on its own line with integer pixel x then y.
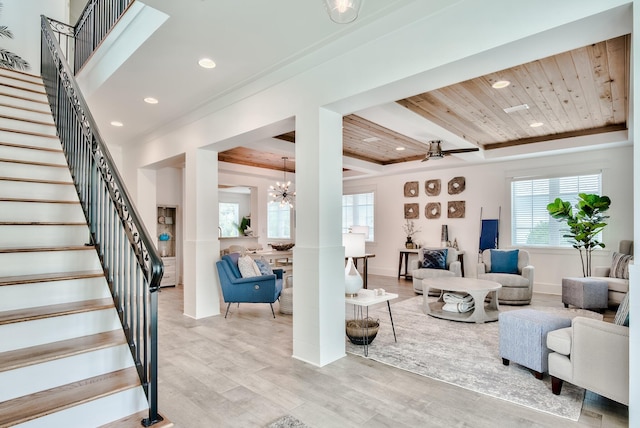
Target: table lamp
{"type": "Point", "coordinates": [353, 247]}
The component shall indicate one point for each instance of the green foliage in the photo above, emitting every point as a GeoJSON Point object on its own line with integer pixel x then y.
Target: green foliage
{"type": "Point", "coordinates": [584, 225]}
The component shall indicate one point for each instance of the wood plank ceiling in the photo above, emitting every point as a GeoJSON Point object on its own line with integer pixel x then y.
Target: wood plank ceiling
{"type": "Point", "coordinates": [580, 92]}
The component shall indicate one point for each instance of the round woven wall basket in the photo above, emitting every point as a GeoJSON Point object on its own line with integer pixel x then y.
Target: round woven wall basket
{"type": "Point", "coordinates": [362, 332]}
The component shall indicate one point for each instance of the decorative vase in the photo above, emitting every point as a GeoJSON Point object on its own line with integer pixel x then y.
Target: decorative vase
{"type": "Point", "coordinates": [409, 243]}
{"type": "Point", "coordinates": [352, 279]}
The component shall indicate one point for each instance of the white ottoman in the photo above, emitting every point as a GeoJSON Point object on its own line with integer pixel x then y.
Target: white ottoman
{"type": "Point", "coordinates": [286, 301]}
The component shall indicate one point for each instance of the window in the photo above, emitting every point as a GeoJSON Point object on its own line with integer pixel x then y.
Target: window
{"type": "Point", "coordinates": [278, 221]}
{"type": "Point", "coordinates": [228, 217]}
{"type": "Point", "coordinates": [357, 210]}
{"type": "Point", "coordinates": [531, 223]}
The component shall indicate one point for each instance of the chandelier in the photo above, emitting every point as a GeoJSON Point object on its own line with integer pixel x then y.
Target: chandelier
{"type": "Point", "coordinates": [343, 11]}
{"type": "Point", "coordinates": [280, 192]}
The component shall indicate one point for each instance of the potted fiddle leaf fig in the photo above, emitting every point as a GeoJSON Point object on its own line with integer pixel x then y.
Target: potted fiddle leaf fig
{"type": "Point", "coordinates": [585, 223]}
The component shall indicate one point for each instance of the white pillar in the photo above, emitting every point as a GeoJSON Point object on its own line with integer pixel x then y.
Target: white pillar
{"type": "Point", "coordinates": [319, 308]}
{"type": "Point", "coordinates": [201, 245]}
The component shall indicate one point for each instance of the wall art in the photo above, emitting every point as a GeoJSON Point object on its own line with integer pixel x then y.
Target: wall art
{"type": "Point", "coordinates": [456, 209]}
{"type": "Point", "coordinates": [411, 211]}
{"type": "Point", "coordinates": [457, 185]}
{"type": "Point", "coordinates": [432, 187]}
{"type": "Point", "coordinates": [432, 210]}
{"type": "Point", "coordinates": [411, 189]}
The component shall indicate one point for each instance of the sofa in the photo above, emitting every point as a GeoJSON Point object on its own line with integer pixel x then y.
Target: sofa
{"type": "Point", "coordinates": [251, 287]}
{"type": "Point", "coordinates": [511, 269]}
{"type": "Point", "coordinates": [616, 276]}
{"type": "Point", "coordinates": [436, 264]}
{"type": "Point", "coordinates": [592, 354]}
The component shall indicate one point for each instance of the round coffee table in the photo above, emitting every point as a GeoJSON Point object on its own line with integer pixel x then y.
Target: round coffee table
{"type": "Point", "coordinates": [479, 289]}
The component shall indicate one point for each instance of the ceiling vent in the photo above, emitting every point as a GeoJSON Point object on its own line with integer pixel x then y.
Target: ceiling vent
{"type": "Point", "coordinates": [516, 108]}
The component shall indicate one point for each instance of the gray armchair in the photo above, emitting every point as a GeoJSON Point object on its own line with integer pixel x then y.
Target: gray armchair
{"type": "Point", "coordinates": [453, 268]}
{"type": "Point", "coordinates": [591, 354]}
{"type": "Point", "coordinates": [618, 287]}
{"type": "Point", "coordinates": [517, 287]}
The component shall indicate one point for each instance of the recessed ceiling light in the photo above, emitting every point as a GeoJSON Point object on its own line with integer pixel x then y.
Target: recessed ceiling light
{"type": "Point", "coordinates": [151, 100]}
{"type": "Point", "coordinates": [207, 63]}
{"type": "Point", "coordinates": [371, 139]}
{"type": "Point", "coordinates": [116, 123]}
{"type": "Point", "coordinates": [501, 84]}
{"type": "Point", "coordinates": [400, 148]}
{"type": "Point", "coordinates": [536, 124]}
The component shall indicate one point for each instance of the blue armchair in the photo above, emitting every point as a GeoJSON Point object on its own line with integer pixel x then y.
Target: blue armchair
{"type": "Point", "coordinates": [257, 289]}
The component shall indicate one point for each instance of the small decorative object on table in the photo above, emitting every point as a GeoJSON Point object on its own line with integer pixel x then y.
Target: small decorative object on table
{"type": "Point", "coordinates": [283, 247]}
{"type": "Point", "coordinates": [362, 332]}
{"type": "Point", "coordinates": [409, 230]}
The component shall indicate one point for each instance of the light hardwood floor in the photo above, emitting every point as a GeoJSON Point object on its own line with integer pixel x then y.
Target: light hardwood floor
{"type": "Point", "coordinates": [238, 372]}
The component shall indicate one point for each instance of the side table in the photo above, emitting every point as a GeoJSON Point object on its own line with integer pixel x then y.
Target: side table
{"type": "Point", "coordinates": [361, 310]}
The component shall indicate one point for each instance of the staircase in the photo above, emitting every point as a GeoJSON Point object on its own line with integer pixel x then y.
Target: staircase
{"type": "Point", "coordinates": [64, 359]}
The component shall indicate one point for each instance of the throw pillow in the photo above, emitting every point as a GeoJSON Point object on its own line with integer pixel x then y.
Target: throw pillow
{"type": "Point", "coordinates": [248, 267]}
{"type": "Point", "coordinates": [434, 259]}
{"type": "Point", "coordinates": [504, 261]}
{"type": "Point", "coordinates": [620, 265]}
{"type": "Point", "coordinates": [265, 268]}
{"type": "Point", "coordinates": [622, 315]}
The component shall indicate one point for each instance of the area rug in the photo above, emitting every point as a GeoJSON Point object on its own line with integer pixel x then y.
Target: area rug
{"type": "Point", "coordinates": [466, 355]}
{"type": "Point", "coordinates": [287, 421]}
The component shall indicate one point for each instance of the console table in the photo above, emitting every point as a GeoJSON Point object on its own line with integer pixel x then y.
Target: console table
{"type": "Point", "coordinates": [404, 256]}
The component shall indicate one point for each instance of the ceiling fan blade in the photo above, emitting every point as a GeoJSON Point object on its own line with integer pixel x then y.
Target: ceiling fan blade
{"type": "Point", "coordinates": [426, 157]}
{"type": "Point", "coordinates": [453, 151]}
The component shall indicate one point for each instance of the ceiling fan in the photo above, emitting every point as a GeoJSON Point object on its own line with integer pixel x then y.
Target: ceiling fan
{"type": "Point", "coordinates": [436, 152]}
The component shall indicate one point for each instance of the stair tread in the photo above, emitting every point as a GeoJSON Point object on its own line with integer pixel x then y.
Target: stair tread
{"type": "Point", "coordinates": [40, 312]}
{"type": "Point", "coordinates": [35, 180]}
{"type": "Point", "coordinates": [133, 421]}
{"type": "Point", "coordinates": [23, 98]}
{"type": "Point", "coordinates": [32, 110]}
{"type": "Point", "coordinates": [37, 249]}
{"type": "Point", "coordinates": [46, 277]}
{"type": "Point", "coordinates": [42, 403]}
{"type": "Point", "coordinates": [43, 201]}
{"type": "Point", "coordinates": [26, 162]}
{"type": "Point", "coordinates": [24, 357]}
{"type": "Point", "coordinates": [22, 88]}
{"type": "Point", "coordinates": [25, 146]}
{"type": "Point", "coordinates": [36, 122]}
{"type": "Point", "coordinates": [35, 134]}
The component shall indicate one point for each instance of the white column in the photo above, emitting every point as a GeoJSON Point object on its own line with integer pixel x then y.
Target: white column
{"type": "Point", "coordinates": [201, 245]}
{"type": "Point", "coordinates": [634, 268]}
{"type": "Point", "coordinates": [318, 299]}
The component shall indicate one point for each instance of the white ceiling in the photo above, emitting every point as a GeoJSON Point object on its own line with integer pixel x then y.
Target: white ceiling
{"type": "Point", "coordinates": [255, 43]}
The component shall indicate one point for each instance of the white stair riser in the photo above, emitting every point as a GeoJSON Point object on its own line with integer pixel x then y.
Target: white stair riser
{"type": "Point", "coordinates": [38, 332]}
{"type": "Point", "coordinates": [19, 113]}
{"type": "Point", "coordinates": [21, 125]}
{"type": "Point", "coordinates": [22, 93]}
{"type": "Point", "coordinates": [33, 236]}
{"type": "Point", "coordinates": [32, 155]}
{"type": "Point", "coordinates": [21, 296]}
{"type": "Point", "coordinates": [33, 84]}
{"type": "Point", "coordinates": [49, 173]}
{"type": "Point", "coordinates": [19, 102]}
{"type": "Point", "coordinates": [40, 377]}
{"type": "Point", "coordinates": [29, 140]}
{"type": "Point", "coordinates": [31, 263]}
{"type": "Point", "coordinates": [27, 190]}
{"type": "Point", "coordinates": [96, 412]}
{"type": "Point", "coordinates": [36, 211]}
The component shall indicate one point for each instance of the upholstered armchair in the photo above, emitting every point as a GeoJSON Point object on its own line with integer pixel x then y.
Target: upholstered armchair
{"type": "Point", "coordinates": [591, 354]}
{"type": "Point", "coordinates": [511, 269]}
{"type": "Point", "coordinates": [253, 289]}
{"type": "Point", "coordinates": [617, 274]}
{"type": "Point", "coordinates": [432, 263]}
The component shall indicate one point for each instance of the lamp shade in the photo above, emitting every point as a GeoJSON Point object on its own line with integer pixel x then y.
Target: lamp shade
{"type": "Point", "coordinates": [361, 229]}
{"type": "Point", "coordinates": [343, 11]}
{"type": "Point", "coordinates": [353, 244]}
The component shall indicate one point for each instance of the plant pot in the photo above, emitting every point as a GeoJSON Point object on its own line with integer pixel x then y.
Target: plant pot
{"type": "Point", "coordinates": [362, 332]}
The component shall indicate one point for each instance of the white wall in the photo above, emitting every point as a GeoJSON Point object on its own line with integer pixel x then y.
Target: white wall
{"type": "Point", "coordinates": [487, 187]}
{"type": "Point", "coordinates": [23, 19]}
